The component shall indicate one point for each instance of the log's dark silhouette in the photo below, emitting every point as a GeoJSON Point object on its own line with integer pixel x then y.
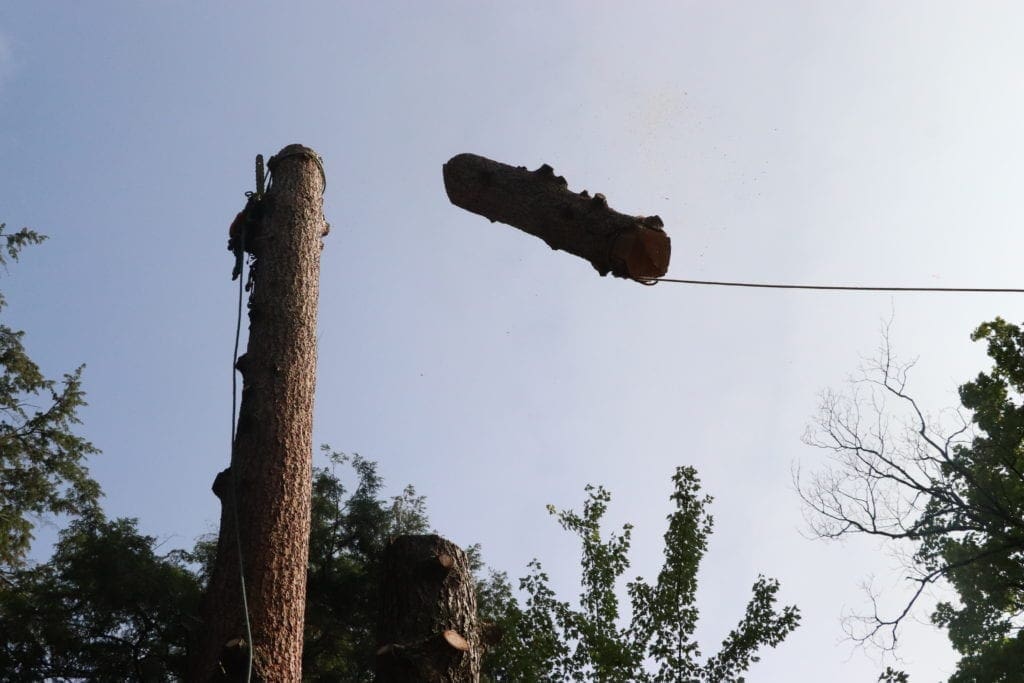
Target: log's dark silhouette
{"type": "Point", "coordinates": [267, 488]}
{"type": "Point", "coordinates": [540, 203]}
{"type": "Point", "coordinates": [428, 630]}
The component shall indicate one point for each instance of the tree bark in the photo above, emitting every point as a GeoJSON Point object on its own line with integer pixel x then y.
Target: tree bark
{"type": "Point", "coordinates": [540, 203]}
{"type": "Point", "coordinates": [267, 488]}
{"type": "Point", "coordinates": [428, 630]}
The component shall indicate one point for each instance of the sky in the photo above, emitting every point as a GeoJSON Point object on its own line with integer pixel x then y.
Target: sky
{"type": "Point", "coordinates": [793, 142]}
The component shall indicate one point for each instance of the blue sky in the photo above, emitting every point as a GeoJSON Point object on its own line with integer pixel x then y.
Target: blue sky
{"type": "Point", "coordinates": [844, 142]}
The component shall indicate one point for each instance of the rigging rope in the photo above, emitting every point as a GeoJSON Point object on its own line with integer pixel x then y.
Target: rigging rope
{"type": "Point", "coordinates": [846, 288]}
{"type": "Point", "coordinates": [234, 410]}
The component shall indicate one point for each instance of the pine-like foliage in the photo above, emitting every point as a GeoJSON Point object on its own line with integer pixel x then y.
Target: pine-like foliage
{"type": "Point", "coordinates": [42, 461]}
{"type": "Point", "coordinates": [106, 607]}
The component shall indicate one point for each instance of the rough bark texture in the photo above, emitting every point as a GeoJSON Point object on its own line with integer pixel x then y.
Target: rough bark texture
{"type": "Point", "coordinates": [428, 628]}
{"type": "Point", "coordinates": [540, 203]}
{"type": "Point", "coordinates": [271, 464]}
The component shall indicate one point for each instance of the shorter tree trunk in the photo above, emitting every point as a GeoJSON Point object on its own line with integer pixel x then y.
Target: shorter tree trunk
{"type": "Point", "coordinates": [428, 628]}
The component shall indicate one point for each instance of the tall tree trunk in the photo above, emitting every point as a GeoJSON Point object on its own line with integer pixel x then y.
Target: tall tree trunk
{"type": "Point", "coordinates": [540, 203]}
{"type": "Point", "coordinates": [428, 630]}
{"type": "Point", "coordinates": [267, 488]}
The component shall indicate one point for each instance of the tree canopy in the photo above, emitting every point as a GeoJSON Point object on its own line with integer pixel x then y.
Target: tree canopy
{"type": "Point", "coordinates": [42, 461]}
{"type": "Point", "coordinates": [108, 606]}
{"type": "Point", "coordinates": [553, 640]}
{"type": "Point", "coordinates": [950, 486]}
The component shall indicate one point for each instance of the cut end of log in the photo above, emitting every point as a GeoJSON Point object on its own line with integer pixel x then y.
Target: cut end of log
{"type": "Point", "coordinates": [292, 149]}
{"type": "Point", "coordinates": [446, 561]}
{"type": "Point", "coordinates": [455, 641]}
{"type": "Point", "coordinates": [456, 174]}
{"type": "Point", "coordinates": [644, 252]}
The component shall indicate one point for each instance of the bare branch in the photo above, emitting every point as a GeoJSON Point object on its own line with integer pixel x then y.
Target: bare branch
{"type": "Point", "coordinates": [897, 473]}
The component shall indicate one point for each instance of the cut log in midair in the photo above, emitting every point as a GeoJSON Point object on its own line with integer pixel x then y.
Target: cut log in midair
{"type": "Point", "coordinates": [540, 203]}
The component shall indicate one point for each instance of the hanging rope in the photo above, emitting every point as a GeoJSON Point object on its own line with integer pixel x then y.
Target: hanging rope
{"type": "Point", "coordinates": [234, 410]}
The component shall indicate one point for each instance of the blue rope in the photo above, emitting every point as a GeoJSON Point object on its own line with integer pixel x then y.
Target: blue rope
{"type": "Point", "coordinates": [234, 410]}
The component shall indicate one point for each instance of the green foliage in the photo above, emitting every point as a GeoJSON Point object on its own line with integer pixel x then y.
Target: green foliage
{"type": "Point", "coordinates": [978, 540]}
{"type": "Point", "coordinates": [955, 494]}
{"type": "Point", "coordinates": [551, 640]}
{"type": "Point", "coordinates": [496, 604]}
{"type": "Point", "coordinates": [13, 243]}
{"type": "Point", "coordinates": [105, 607]}
{"type": "Point", "coordinates": [999, 661]}
{"type": "Point", "coordinates": [42, 462]}
{"type": "Point", "coordinates": [891, 675]}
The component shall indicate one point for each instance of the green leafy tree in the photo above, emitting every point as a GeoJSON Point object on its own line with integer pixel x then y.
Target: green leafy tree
{"type": "Point", "coordinates": [952, 490]}
{"type": "Point", "coordinates": [498, 607]}
{"type": "Point", "coordinates": [106, 607]}
{"type": "Point", "coordinates": [42, 461]}
{"type": "Point", "coordinates": [552, 640]}
{"type": "Point", "coordinates": [891, 675]}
